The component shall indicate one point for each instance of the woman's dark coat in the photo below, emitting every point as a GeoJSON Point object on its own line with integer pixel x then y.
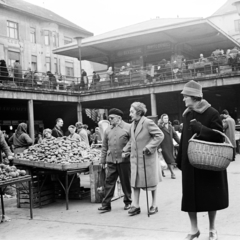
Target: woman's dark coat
{"type": "Point", "coordinates": [203, 190]}
{"type": "Point", "coordinates": [167, 143]}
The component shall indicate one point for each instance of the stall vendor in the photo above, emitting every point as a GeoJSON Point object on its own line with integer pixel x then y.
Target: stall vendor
{"type": "Point", "coordinates": [47, 134]}
{"type": "Point", "coordinates": [73, 135]}
{"type": "Point", "coordinates": [20, 140]}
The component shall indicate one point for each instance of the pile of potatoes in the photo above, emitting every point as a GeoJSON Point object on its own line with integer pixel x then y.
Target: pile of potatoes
{"type": "Point", "coordinates": [8, 172]}
{"type": "Point", "coordinates": [60, 151]}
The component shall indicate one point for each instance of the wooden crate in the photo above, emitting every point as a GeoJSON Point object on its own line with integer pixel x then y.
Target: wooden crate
{"type": "Point", "coordinates": [97, 179]}
{"type": "Point", "coordinates": [46, 196]}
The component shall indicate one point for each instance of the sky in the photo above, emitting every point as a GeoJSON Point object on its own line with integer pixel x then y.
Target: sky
{"type": "Point", "coordinates": [100, 16]}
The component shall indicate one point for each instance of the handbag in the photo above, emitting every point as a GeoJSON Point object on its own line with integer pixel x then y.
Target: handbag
{"type": "Point", "coordinates": [162, 161]}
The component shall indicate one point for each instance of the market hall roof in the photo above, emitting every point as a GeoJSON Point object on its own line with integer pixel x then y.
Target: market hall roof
{"type": "Point", "coordinates": [199, 34]}
{"type": "Point", "coordinates": [43, 13]}
{"type": "Point", "coordinates": [226, 8]}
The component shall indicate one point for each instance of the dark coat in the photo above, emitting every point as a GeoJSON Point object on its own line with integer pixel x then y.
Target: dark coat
{"type": "Point", "coordinates": [167, 143]}
{"type": "Point", "coordinates": [57, 132]}
{"type": "Point", "coordinates": [203, 190]}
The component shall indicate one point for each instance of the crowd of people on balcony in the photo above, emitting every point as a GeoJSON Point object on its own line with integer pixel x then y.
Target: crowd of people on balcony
{"type": "Point", "coordinates": [217, 62]}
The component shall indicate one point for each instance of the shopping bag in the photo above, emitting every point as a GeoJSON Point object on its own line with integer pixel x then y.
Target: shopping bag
{"type": "Point", "coordinates": [162, 161]}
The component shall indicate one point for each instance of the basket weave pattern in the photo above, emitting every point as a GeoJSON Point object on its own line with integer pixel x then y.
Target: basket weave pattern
{"type": "Point", "coordinates": [209, 155]}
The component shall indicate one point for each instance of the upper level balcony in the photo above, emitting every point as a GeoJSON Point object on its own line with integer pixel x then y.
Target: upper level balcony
{"type": "Point", "coordinates": [214, 67]}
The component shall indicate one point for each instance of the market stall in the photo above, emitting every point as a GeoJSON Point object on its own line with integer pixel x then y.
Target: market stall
{"type": "Point", "coordinates": [60, 157]}
{"type": "Point", "coordinates": [11, 176]}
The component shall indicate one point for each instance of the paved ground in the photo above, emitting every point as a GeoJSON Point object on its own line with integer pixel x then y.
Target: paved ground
{"type": "Point", "coordinates": [83, 221]}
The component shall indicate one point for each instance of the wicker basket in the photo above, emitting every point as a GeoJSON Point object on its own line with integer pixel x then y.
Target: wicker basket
{"type": "Point", "coordinates": [210, 155]}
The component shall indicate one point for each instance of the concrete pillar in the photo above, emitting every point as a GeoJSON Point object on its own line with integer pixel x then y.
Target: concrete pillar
{"type": "Point", "coordinates": [79, 112]}
{"type": "Point", "coordinates": [153, 104]}
{"type": "Point", "coordinates": [31, 119]}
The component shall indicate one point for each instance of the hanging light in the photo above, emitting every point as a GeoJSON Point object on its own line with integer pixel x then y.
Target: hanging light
{"type": "Point", "coordinates": [11, 127]}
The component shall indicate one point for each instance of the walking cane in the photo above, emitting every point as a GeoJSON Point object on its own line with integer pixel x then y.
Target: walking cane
{"type": "Point", "coordinates": [144, 163]}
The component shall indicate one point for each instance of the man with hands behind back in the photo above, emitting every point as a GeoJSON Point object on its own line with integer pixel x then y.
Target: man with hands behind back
{"type": "Point", "coordinates": [115, 138]}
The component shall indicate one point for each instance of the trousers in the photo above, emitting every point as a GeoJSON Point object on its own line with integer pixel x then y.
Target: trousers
{"type": "Point", "coordinates": [123, 171]}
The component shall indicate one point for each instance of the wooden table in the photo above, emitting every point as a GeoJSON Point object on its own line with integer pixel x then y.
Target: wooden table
{"type": "Point", "coordinates": [14, 181]}
{"type": "Point", "coordinates": [37, 168]}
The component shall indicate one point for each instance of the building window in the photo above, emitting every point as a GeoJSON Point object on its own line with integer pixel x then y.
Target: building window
{"type": "Point", "coordinates": [12, 57]}
{"type": "Point", "coordinates": [12, 29]}
{"type": "Point", "coordinates": [237, 25]}
{"type": "Point", "coordinates": [55, 65]}
{"type": "Point", "coordinates": [69, 69]}
{"type": "Point", "coordinates": [34, 63]}
{"type": "Point", "coordinates": [55, 39]}
{"type": "Point", "coordinates": [48, 64]}
{"type": "Point", "coordinates": [32, 35]}
{"type": "Point", "coordinates": [67, 40]}
{"type": "Point", "coordinates": [46, 38]}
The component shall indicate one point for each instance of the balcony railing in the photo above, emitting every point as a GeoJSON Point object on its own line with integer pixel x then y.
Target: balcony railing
{"type": "Point", "coordinates": [212, 67]}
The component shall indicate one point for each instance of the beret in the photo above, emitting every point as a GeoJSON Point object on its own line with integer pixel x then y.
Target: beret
{"type": "Point", "coordinates": [115, 111]}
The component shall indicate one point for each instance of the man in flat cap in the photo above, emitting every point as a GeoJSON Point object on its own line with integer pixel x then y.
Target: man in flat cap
{"type": "Point", "coordinates": [115, 138]}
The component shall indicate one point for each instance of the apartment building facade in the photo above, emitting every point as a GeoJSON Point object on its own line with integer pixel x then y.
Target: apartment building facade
{"type": "Point", "coordinates": [29, 33]}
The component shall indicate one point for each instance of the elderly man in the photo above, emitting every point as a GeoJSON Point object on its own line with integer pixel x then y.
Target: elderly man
{"type": "Point", "coordinates": [115, 138]}
{"type": "Point", "coordinates": [57, 131]}
{"type": "Point", "coordinates": [229, 129]}
{"type": "Point", "coordinates": [82, 132]}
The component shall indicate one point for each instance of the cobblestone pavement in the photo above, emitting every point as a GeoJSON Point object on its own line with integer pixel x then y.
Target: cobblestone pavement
{"type": "Point", "coordinates": [83, 221]}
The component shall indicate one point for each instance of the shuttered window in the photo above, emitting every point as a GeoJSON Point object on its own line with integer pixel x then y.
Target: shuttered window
{"type": "Point", "coordinates": [69, 69]}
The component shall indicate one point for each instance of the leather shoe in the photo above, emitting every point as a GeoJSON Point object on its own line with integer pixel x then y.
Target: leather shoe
{"type": "Point", "coordinates": [105, 208]}
{"type": "Point", "coordinates": [127, 206]}
{"type": "Point", "coordinates": [213, 235]}
{"type": "Point", "coordinates": [192, 236]}
{"type": "Point", "coordinates": [134, 211]}
{"type": "Point", "coordinates": [153, 210]}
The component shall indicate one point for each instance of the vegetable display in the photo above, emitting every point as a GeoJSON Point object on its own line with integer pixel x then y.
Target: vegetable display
{"type": "Point", "coordinates": [8, 172]}
{"type": "Point", "coordinates": [60, 151]}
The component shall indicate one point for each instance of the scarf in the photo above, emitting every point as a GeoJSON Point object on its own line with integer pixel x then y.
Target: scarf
{"type": "Point", "coordinates": [200, 107]}
{"type": "Point", "coordinates": [22, 128]}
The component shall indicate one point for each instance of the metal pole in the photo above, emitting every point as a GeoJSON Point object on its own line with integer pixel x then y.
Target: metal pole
{"type": "Point", "coordinates": [144, 163]}
{"type": "Point", "coordinates": [153, 104]}
{"type": "Point", "coordinates": [31, 118]}
{"type": "Point", "coordinates": [80, 60]}
{"type": "Point", "coordinates": [79, 112]}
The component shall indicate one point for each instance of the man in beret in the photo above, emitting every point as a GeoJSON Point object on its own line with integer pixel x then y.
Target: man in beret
{"type": "Point", "coordinates": [115, 138]}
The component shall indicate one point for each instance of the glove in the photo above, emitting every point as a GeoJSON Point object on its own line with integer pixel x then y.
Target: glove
{"type": "Point", "coordinates": [146, 151]}
{"type": "Point", "coordinates": [195, 126]}
{"type": "Point", "coordinates": [103, 165]}
{"type": "Point", "coordinates": [125, 154]}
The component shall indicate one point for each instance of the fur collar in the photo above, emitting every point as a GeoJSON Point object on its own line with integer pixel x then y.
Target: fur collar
{"type": "Point", "coordinates": [201, 107]}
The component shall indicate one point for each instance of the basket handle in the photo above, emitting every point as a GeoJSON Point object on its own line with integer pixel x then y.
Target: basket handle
{"type": "Point", "coordinates": [228, 141]}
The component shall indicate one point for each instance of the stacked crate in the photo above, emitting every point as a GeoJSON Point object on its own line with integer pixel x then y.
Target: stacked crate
{"type": "Point", "coordinates": [40, 198]}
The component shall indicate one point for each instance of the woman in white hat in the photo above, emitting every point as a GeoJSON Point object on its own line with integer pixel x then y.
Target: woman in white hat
{"type": "Point", "coordinates": [203, 190]}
